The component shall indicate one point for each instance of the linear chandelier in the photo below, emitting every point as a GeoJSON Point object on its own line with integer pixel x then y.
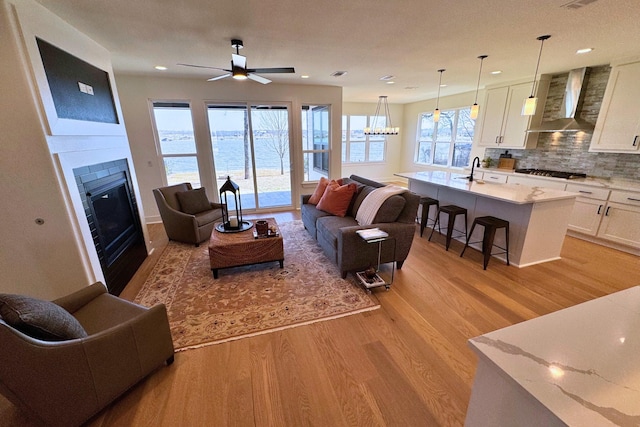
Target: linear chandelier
{"type": "Point", "coordinates": [378, 129]}
{"type": "Point", "coordinates": [475, 108]}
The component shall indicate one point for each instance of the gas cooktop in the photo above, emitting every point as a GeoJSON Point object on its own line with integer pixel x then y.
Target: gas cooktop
{"type": "Point", "coordinates": [552, 174]}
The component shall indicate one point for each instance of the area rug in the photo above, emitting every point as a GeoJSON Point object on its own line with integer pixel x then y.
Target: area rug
{"type": "Point", "coordinates": [250, 300]}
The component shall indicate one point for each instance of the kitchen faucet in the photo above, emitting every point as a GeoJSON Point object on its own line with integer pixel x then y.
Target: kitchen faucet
{"type": "Point", "coordinates": [475, 162]}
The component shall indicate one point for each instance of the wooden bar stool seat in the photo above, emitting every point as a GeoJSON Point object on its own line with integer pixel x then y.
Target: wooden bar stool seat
{"type": "Point", "coordinates": [426, 203]}
{"type": "Point", "coordinates": [452, 211]}
{"type": "Point", "coordinates": [490, 224]}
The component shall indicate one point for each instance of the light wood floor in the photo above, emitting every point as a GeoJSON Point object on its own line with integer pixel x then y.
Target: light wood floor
{"type": "Point", "coordinates": [406, 364]}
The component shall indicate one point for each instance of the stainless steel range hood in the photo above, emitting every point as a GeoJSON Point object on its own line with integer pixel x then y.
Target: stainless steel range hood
{"type": "Point", "coordinates": [569, 122]}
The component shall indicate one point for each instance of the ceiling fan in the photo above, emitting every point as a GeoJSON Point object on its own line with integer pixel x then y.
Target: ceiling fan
{"type": "Point", "coordinates": [239, 70]}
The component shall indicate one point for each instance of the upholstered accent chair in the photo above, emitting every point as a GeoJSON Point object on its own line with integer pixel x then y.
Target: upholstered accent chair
{"type": "Point", "coordinates": [188, 216]}
{"type": "Point", "coordinates": [64, 382]}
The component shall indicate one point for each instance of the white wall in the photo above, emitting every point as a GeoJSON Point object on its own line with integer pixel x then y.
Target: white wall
{"type": "Point", "coordinates": [40, 151]}
{"type": "Point", "coordinates": [136, 92]}
{"type": "Point", "coordinates": [382, 171]}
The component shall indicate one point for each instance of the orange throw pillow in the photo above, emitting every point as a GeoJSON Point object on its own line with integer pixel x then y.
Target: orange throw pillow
{"type": "Point", "coordinates": [319, 191]}
{"type": "Point", "coordinates": [336, 198]}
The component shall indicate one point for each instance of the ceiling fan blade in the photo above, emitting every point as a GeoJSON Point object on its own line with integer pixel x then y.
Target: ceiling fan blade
{"type": "Point", "coordinates": [203, 66]}
{"type": "Point", "coordinates": [212, 79]}
{"type": "Point", "coordinates": [239, 60]}
{"type": "Point", "coordinates": [272, 70]}
{"type": "Point", "coordinates": [258, 79]}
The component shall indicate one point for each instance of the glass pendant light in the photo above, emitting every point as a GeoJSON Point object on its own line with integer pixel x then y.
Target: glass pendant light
{"type": "Point", "coordinates": [436, 113]}
{"type": "Point", "coordinates": [529, 106]}
{"type": "Point", "coordinates": [475, 108]}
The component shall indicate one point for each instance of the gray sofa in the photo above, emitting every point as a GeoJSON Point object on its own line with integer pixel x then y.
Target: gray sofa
{"type": "Point", "coordinates": [337, 235]}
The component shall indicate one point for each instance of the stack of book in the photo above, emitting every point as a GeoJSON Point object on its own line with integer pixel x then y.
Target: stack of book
{"type": "Point", "coordinates": [372, 234]}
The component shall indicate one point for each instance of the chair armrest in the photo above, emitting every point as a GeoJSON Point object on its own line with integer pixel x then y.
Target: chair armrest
{"type": "Point", "coordinates": [79, 299]}
{"type": "Point", "coordinates": [215, 205]}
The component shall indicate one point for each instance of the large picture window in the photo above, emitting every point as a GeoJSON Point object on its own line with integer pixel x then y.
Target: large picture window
{"type": "Point", "coordinates": [446, 142]}
{"type": "Point", "coordinates": [358, 147]}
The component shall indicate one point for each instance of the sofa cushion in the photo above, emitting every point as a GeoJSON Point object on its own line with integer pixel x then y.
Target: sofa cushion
{"type": "Point", "coordinates": [193, 201]}
{"type": "Point", "coordinates": [328, 227]}
{"type": "Point", "coordinates": [319, 191]}
{"type": "Point", "coordinates": [390, 209]}
{"type": "Point", "coordinates": [336, 198]}
{"type": "Point", "coordinates": [39, 319]}
{"type": "Point", "coordinates": [372, 204]}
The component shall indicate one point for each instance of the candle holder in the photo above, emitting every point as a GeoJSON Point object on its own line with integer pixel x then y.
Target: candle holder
{"type": "Point", "coordinates": [230, 193]}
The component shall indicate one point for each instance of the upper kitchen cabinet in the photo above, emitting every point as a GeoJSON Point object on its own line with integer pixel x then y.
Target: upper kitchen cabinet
{"type": "Point", "coordinates": [503, 125]}
{"type": "Point", "coordinates": [618, 126]}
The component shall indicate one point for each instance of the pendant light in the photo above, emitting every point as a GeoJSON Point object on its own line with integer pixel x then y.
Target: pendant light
{"type": "Point", "coordinates": [436, 113]}
{"type": "Point", "coordinates": [475, 108]}
{"type": "Point", "coordinates": [375, 129]}
{"type": "Point", "coordinates": [529, 106]}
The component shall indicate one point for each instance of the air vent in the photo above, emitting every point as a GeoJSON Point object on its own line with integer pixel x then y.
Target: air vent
{"type": "Point", "coordinates": [387, 77]}
{"type": "Point", "coordinates": [577, 4]}
{"type": "Point", "coordinates": [338, 73]}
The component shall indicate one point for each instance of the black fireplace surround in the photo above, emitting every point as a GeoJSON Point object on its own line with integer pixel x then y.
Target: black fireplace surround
{"type": "Point", "coordinates": [112, 214]}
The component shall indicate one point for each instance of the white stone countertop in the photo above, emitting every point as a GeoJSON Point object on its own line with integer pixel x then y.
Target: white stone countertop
{"type": "Point", "coordinates": [512, 193]}
{"type": "Point", "coordinates": [582, 363]}
{"type": "Point", "coordinates": [610, 183]}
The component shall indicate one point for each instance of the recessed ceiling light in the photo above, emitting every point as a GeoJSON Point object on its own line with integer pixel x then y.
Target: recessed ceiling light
{"type": "Point", "coordinates": [585, 50]}
{"type": "Point", "coordinates": [304, 76]}
{"type": "Point", "coordinates": [496, 72]}
{"type": "Point", "coordinates": [411, 87]}
{"type": "Point", "coordinates": [443, 85]}
{"type": "Point", "coordinates": [391, 82]}
{"type": "Point", "coordinates": [387, 77]}
{"type": "Point", "coordinates": [160, 67]}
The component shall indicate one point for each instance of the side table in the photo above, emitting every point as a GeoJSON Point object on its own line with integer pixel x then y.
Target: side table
{"type": "Point", "coordinates": [370, 281]}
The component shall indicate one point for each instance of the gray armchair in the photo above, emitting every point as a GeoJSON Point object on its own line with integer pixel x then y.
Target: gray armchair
{"type": "Point", "coordinates": [65, 382]}
{"type": "Point", "coordinates": [184, 223]}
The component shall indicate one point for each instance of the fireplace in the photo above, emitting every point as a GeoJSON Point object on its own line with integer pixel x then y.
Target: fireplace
{"type": "Point", "coordinates": [112, 213]}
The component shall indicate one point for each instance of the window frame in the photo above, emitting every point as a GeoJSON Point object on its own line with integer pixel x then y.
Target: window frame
{"type": "Point", "coordinates": [321, 154]}
{"type": "Point", "coordinates": [434, 140]}
{"type": "Point", "coordinates": [181, 104]}
{"type": "Point", "coordinates": [368, 140]}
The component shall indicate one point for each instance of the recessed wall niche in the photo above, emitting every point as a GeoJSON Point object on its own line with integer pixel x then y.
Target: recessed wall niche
{"type": "Point", "coordinates": [79, 90]}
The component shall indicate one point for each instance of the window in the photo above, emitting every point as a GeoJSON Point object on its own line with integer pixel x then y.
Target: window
{"type": "Point", "coordinates": [358, 147]}
{"type": "Point", "coordinates": [176, 142]}
{"type": "Point", "coordinates": [315, 141]}
{"type": "Point", "coordinates": [447, 142]}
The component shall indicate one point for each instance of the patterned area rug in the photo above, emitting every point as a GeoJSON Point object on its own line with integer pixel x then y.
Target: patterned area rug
{"type": "Point", "coordinates": [250, 300]}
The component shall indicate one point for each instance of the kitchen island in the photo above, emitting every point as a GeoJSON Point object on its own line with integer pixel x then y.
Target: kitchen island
{"type": "Point", "coordinates": [538, 216]}
{"type": "Point", "coordinates": [578, 367]}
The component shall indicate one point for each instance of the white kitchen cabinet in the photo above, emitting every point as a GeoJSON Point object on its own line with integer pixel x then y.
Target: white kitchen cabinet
{"type": "Point", "coordinates": [617, 129]}
{"type": "Point", "coordinates": [496, 178]}
{"type": "Point", "coordinates": [503, 125]}
{"type": "Point", "coordinates": [621, 224]}
{"type": "Point", "coordinates": [588, 208]}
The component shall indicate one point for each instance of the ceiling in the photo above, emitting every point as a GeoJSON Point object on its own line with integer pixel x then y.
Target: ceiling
{"type": "Point", "coordinates": [408, 39]}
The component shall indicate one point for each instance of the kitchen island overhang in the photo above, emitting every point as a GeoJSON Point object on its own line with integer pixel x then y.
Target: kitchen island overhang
{"type": "Point", "coordinates": [538, 216]}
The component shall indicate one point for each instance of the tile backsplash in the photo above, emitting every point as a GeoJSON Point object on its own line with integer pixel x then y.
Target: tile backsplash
{"type": "Point", "coordinates": [570, 151]}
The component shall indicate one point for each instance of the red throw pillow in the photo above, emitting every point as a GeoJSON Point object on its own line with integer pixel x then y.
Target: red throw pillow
{"type": "Point", "coordinates": [319, 191]}
{"type": "Point", "coordinates": [336, 198]}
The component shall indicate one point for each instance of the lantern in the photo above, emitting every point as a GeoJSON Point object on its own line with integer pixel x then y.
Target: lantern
{"type": "Point", "coordinates": [230, 191]}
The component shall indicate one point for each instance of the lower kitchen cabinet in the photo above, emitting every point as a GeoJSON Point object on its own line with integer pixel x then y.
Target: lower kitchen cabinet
{"type": "Point", "coordinates": [586, 216]}
{"type": "Point", "coordinates": [621, 224]}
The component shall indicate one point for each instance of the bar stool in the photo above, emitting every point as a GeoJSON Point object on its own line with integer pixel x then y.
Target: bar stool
{"type": "Point", "coordinates": [452, 211]}
{"type": "Point", "coordinates": [426, 203]}
{"type": "Point", "coordinates": [490, 224]}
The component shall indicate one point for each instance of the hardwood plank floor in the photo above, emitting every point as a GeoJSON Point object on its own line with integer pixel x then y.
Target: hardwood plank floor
{"type": "Point", "coordinates": [406, 364]}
